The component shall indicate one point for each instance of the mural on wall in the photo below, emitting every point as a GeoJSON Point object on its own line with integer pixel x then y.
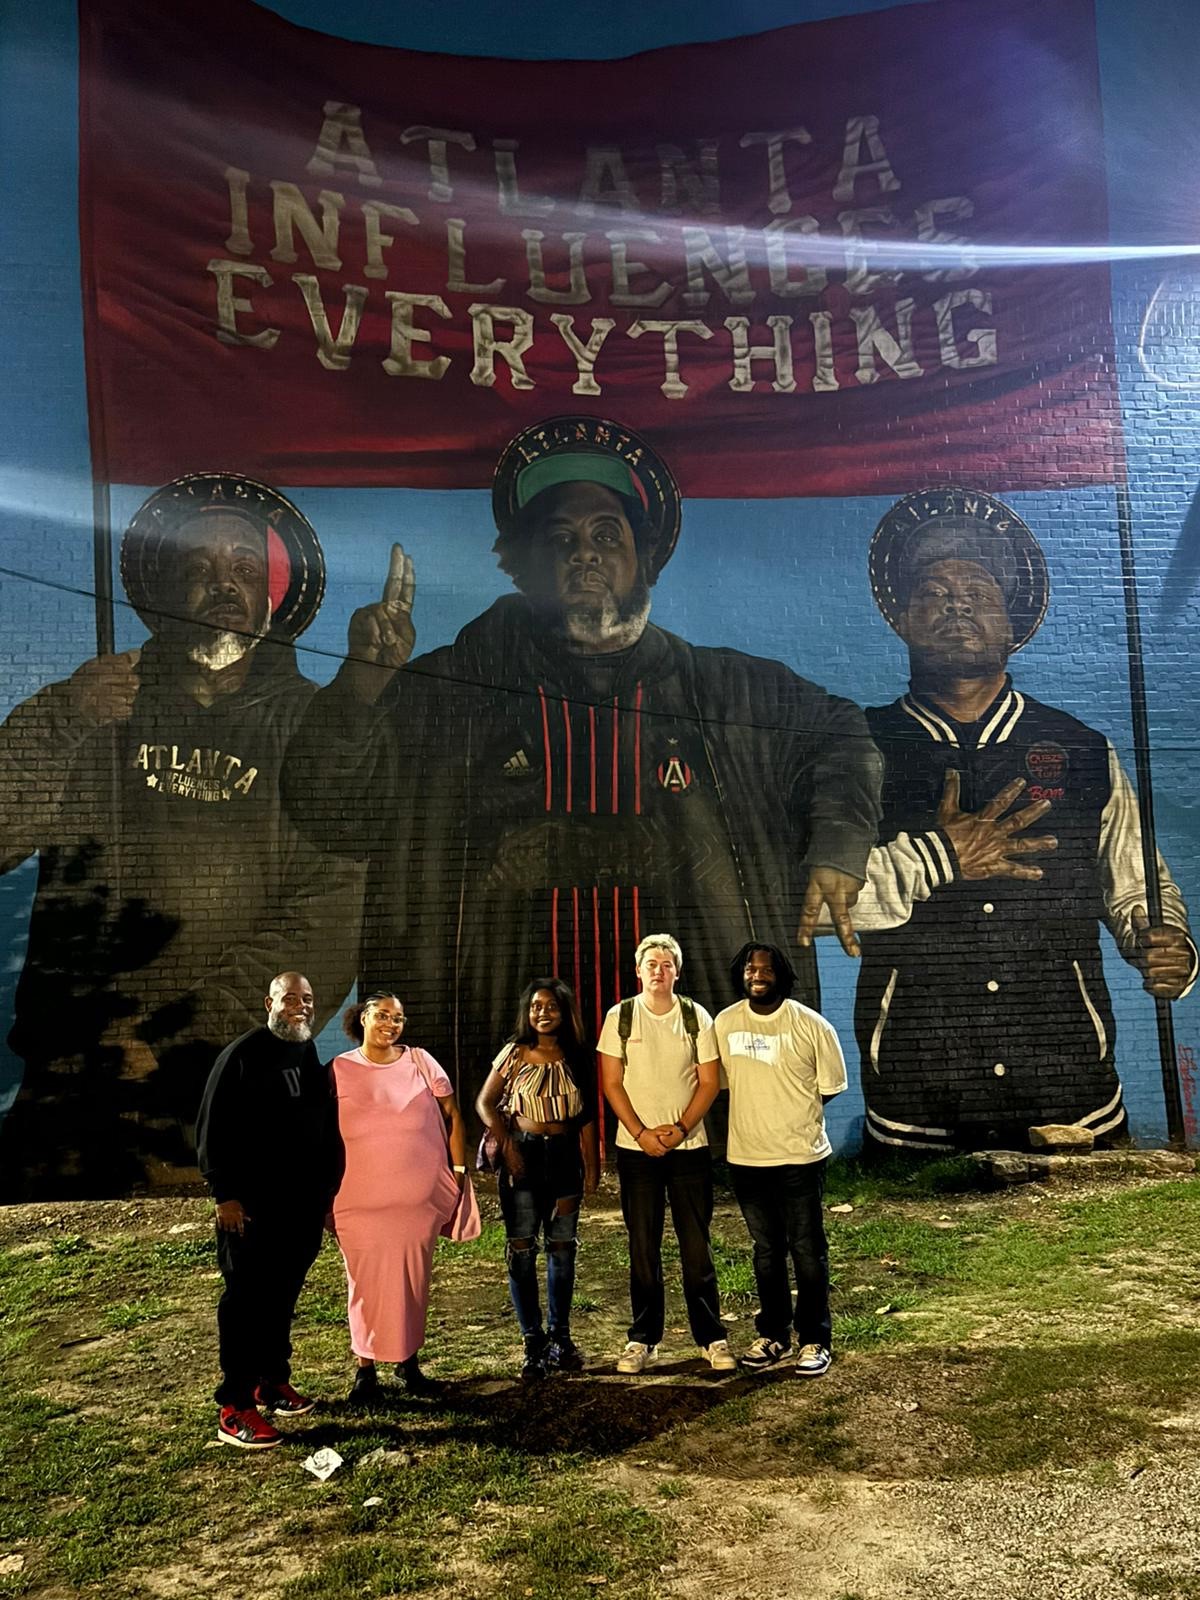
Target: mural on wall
{"type": "Point", "coordinates": [986, 1011]}
{"type": "Point", "coordinates": [606, 291]}
{"type": "Point", "coordinates": [171, 884]}
{"type": "Point", "coordinates": [566, 776]}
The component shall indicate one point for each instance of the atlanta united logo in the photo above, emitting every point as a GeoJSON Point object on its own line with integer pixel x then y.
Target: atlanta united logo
{"type": "Point", "coordinates": [674, 774]}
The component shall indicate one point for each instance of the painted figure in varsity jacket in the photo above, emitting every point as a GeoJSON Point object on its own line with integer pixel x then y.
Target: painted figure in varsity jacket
{"type": "Point", "coordinates": [985, 1010]}
{"type": "Point", "coordinates": [566, 775]}
{"type": "Point", "coordinates": [171, 884]}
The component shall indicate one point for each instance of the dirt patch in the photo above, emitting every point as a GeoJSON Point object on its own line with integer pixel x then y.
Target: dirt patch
{"type": "Point", "coordinates": [97, 1219]}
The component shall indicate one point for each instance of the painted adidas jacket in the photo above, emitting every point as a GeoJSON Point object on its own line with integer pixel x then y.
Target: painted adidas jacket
{"type": "Point", "coordinates": [526, 810]}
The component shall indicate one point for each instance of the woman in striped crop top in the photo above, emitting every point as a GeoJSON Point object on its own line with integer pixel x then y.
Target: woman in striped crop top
{"type": "Point", "coordinates": [540, 1103]}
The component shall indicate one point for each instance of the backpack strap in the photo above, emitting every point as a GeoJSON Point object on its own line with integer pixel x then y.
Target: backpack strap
{"type": "Point", "coordinates": [691, 1023]}
{"type": "Point", "coordinates": [625, 1028]}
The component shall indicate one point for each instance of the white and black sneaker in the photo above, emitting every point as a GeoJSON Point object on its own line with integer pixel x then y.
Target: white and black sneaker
{"type": "Point", "coordinates": [813, 1361]}
{"type": "Point", "coordinates": [763, 1353]}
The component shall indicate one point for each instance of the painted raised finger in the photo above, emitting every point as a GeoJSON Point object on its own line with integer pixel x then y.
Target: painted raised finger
{"type": "Point", "coordinates": [399, 567]}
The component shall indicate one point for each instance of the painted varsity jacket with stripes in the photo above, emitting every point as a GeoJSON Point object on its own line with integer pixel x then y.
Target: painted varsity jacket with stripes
{"type": "Point", "coordinates": [986, 1011]}
{"type": "Point", "coordinates": [525, 810]}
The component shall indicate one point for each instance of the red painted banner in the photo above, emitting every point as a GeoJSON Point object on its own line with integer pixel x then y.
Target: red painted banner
{"type": "Point", "coordinates": [832, 259]}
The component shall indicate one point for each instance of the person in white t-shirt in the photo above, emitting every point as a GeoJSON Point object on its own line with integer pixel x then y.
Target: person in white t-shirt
{"type": "Point", "coordinates": [782, 1061]}
{"type": "Point", "coordinates": [658, 1064]}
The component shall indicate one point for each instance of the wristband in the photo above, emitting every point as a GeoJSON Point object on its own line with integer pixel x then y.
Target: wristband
{"type": "Point", "coordinates": [683, 1130]}
{"type": "Point", "coordinates": [458, 1169]}
{"type": "Point", "coordinates": [639, 1133]}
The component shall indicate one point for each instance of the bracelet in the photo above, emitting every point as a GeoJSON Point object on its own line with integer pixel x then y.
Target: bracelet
{"type": "Point", "coordinates": [683, 1130]}
{"type": "Point", "coordinates": [458, 1169]}
{"type": "Point", "coordinates": [639, 1133]}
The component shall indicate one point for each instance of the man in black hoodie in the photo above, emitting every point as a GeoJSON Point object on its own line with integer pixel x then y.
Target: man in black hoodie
{"type": "Point", "coordinates": [172, 885]}
{"type": "Point", "coordinates": [271, 1154]}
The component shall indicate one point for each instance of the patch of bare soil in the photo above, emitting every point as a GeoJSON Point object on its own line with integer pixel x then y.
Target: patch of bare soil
{"type": "Point", "coordinates": [94, 1219]}
{"type": "Point", "coordinates": [251, 1571]}
{"type": "Point", "coordinates": [1061, 1536]}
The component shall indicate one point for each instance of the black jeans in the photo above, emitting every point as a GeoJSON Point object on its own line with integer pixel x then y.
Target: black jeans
{"type": "Point", "coordinates": [530, 1207]}
{"type": "Point", "coordinates": [683, 1177]}
{"type": "Point", "coordinates": [264, 1270]}
{"type": "Point", "coordinates": [782, 1208]}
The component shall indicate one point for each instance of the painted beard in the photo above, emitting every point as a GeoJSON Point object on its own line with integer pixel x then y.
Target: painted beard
{"type": "Point", "coordinates": [601, 623]}
{"type": "Point", "coordinates": [931, 664]}
{"type": "Point", "coordinates": [290, 1032]}
{"type": "Point", "coordinates": [221, 650]}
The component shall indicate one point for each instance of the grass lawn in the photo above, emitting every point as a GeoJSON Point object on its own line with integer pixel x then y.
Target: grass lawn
{"type": "Point", "coordinates": [981, 1340]}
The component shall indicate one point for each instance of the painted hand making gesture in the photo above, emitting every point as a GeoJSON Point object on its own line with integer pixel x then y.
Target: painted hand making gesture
{"type": "Point", "coordinates": [381, 636]}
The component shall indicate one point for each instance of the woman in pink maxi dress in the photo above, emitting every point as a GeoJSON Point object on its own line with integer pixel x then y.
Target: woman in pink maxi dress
{"type": "Point", "coordinates": [405, 1172]}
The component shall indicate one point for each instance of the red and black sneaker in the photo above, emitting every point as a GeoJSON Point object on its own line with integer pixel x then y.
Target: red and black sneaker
{"type": "Point", "coordinates": [247, 1429]}
{"type": "Point", "coordinates": [281, 1400]}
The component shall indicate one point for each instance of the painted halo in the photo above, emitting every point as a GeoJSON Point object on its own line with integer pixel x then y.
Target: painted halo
{"type": "Point", "coordinates": [599, 436]}
{"type": "Point", "coordinates": [918, 515]}
{"type": "Point", "coordinates": [295, 560]}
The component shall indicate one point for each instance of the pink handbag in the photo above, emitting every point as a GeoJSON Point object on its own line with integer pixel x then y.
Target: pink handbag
{"type": "Point", "coordinates": [464, 1222]}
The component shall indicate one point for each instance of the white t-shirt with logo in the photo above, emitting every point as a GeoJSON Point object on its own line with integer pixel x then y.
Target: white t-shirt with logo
{"type": "Point", "coordinates": [660, 1073]}
{"type": "Point", "coordinates": [777, 1067]}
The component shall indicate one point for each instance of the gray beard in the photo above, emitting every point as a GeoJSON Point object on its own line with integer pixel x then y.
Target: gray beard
{"type": "Point", "coordinates": [602, 626]}
{"type": "Point", "coordinates": [290, 1032]}
{"type": "Point", "coordinates": [223, 650]}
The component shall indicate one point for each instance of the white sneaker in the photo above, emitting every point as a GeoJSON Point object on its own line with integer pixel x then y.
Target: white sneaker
{"type": "Point", "coordinates": [813, 1361]}
{"type": "Point", "coordinates": [636, 1357]}
{"type": "Point", "coordinates": [719, 1356]}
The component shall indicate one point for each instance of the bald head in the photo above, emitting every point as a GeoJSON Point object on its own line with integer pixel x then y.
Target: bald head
{"type": "Point", "coordinates": [289, 1003]}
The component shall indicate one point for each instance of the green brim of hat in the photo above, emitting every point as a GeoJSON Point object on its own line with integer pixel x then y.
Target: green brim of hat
{"type": "Point", "coordinates": [586, 449]}
{"type": "Point", "coordinates": [575, 466]}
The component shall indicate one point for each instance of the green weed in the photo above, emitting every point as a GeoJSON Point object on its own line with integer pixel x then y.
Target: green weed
{"type": "Point", "coordinates": [591, 1534]}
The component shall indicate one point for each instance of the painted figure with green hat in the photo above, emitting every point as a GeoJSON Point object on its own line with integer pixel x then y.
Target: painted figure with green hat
{"type": "Point", "coordinates": [567, 774]}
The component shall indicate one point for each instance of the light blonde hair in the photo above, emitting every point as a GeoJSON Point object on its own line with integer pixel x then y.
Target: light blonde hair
{"type": "Point", "coordinates": [659, 941]}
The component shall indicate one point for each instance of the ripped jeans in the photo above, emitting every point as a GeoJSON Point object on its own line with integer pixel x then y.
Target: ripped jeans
{"type": "Point", "coordinates": [543, 1202]}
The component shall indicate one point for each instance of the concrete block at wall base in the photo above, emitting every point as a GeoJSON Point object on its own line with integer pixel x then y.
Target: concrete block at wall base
{"type": "Point", "coordinates": [1006, 1167]}
{"type": "Point", "coordinates": [1061, 1136]}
